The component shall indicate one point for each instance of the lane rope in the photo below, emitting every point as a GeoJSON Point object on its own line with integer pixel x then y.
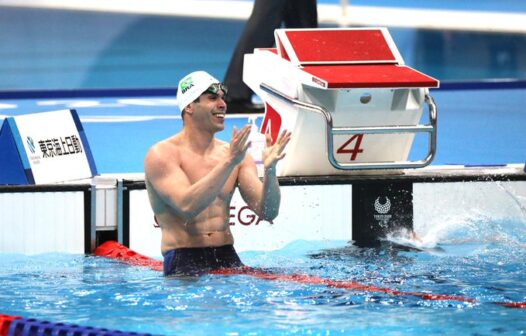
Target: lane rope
{"type": "Point", "coordinates": [115, 250]}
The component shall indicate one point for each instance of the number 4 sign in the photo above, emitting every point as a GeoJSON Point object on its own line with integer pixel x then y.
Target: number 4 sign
{"type": "Point", "coordinates": [349, 148]}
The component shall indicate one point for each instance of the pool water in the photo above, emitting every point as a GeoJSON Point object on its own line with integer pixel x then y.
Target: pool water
{"type": "Point", "coordinates": [479, 260]}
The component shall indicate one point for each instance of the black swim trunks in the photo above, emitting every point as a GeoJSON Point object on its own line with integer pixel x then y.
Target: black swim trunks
{"type": "Point", "coordinates": [200, 260]}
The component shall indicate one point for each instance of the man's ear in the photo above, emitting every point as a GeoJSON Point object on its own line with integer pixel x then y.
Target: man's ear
{"type": "Point", "coordinates": [189, 109]}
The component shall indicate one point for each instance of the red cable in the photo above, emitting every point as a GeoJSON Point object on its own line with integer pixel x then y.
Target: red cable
{"type": "Point", "coordinates": [352, 285]}
{"type": "Point", "coordinates": [5, 322]}
{"type": "Point", "coordinates": [114, 250]}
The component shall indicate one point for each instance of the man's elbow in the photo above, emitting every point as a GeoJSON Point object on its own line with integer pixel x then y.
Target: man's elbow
{"type": "Point", "coordinates": [187, 213]}
{"type": "Point", "coordinates": [269, 214]}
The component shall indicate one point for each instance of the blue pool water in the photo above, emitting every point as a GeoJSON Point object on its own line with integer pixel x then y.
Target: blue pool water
{"type": "Point", "coordinates": [480, 260]}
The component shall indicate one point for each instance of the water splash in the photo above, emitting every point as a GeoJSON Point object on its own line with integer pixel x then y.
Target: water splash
{"type": "Point", "coordinates": [473, 213]}
{"type": "Point", "coordinates": [518, 200]}
{"type": "Point", "coordinates": [410, 239]}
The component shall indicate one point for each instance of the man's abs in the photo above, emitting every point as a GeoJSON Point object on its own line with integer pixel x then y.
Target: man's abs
{"type": "Point", "coordinates": [214, 232]}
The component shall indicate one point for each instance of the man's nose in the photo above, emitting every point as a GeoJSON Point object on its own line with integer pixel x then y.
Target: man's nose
{"type": "Point", "coordinates": [222, 101]}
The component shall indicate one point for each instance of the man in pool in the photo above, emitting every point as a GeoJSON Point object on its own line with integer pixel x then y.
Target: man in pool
{"type": "Point", "coordinates": [191, 177]}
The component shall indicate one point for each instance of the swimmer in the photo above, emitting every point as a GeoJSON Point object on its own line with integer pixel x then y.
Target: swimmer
{"type": "Point", "coordinates": [191, 177]}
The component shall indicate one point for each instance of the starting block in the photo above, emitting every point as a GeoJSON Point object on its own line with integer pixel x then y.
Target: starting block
{"type": "Point", "coordinates": [348, 98]}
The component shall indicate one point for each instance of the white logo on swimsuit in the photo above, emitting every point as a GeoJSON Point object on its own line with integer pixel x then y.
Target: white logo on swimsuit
{"type": "Point", "coordinates": [382, 209]}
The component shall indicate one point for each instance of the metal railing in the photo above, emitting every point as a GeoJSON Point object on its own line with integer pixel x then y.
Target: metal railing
{"type": "Point", "coordinates": [331, 131]}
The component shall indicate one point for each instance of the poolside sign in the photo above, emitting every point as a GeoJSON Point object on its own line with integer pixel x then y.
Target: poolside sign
{"type": "Point", "coordinates": [380, 208]}
{"type": "Point", "coordinates": [42, 148]}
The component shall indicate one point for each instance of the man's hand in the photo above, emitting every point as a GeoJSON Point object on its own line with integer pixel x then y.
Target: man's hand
{"type": "Point", "coordinates": [275, 152]}
{"type": "Point", "coordinates": [239, 144]}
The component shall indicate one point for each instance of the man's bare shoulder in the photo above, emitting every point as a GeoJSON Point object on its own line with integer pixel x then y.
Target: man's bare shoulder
{"type": "Point", "coordinates": [222, 144]}
{"type": "Point", "coordinates": [162, 152]}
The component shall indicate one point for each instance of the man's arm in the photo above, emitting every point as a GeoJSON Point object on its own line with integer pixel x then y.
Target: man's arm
{"type": "Point", "coordinates": [264, 197]}
{"type": "Point", "coordinates": [170, 182]}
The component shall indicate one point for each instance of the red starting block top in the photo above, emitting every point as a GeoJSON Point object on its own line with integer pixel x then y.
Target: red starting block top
{"type": "Point", "coordinates": [370, 76]}
{"type": "Point", "coordinates": [340, 46]}
{"type": "Point", "coordinates": [349, 58]}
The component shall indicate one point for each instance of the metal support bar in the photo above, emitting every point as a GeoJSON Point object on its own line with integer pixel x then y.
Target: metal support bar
{"type": "Point", "coordinates": [120, 212]}
{"type": "Point", "coordinates": [430, 128]}
{"type": "Point", "coordinates": [93, 218]}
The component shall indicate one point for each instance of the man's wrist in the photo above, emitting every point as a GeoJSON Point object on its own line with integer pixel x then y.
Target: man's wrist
{"type": "Point", "coordinates": [270, 170]}
{"type": "Point", "coordinates": [231, 162]}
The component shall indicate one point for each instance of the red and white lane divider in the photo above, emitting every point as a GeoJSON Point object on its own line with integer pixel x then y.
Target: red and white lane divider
{"type": "Point", "coordinates": [114, 250]}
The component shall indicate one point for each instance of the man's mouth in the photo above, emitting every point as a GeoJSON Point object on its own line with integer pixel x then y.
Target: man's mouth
{"type": "Point", "coordinates": [220, 115]}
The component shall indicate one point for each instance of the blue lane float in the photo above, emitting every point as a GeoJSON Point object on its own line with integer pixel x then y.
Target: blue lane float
{"type": "Point", "coordinates": [35, 327]}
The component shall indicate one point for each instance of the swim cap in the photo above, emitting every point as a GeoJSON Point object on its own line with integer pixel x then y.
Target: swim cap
{"type": "Point", "coordinates": [192, 86]}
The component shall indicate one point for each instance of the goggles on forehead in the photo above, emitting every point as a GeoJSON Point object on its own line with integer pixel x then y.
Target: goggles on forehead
{"type": "Point", "coordinates": [216, 87]}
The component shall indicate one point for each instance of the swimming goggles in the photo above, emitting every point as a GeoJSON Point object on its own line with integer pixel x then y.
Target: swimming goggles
{"type": "Point", "coordinates": [216, 87]}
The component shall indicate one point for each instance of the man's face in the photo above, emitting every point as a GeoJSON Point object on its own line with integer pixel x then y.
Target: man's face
{"type": "Point", "coordinates": [210, 110]}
